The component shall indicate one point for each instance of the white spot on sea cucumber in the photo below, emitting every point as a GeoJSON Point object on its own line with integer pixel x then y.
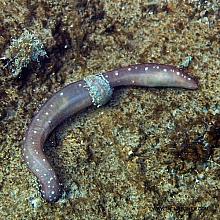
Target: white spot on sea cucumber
{"type": "Point", "coordinates": [184, 76]}
{"type": "Point", "coordinates": [36, 152]}
{"type": "Point", "coordinates": [26, 157]}
{"type": "Point", "coordinates": [116, 73]}
{"type": "Point", "coordinates": [46, 113]}
{"type": "Point", "coordinates": [44, 160]}
{"type": "Point", "coordinates": [35, 132]}
{"type": "Point", "coordinates": [80, 84]}
{"type": "Point", "coordinates": [52, 192]}
{"type": "Point", "coordinates": [132, 81]}
{"type": "Point", "coordinates": [129, 69]}
{"type": "Point", "coordinates": [38, 119]}
{"type": "Point", "coordinates": [189, 78]}
{"type": "Point", "coordinates": [45, 174]}
{"type": "Point", "coordinates": [33, 142]}
{"type": "Point", "coordinates": [37, 170]}
{"type": "Point", "coordinates": [177, 73]}
{"type": "Point", "coordinates": [165, 70]}
{"type": "Point", "coordinates": [49, 122]}
{"type": "Point", "coordinates": [61, 93]}
{"type": "Point", "coordinates": [136, 67]}
{"type": "Point", "coordinates": [51, 105]}
{"type": "Point", "coordinates": [146, 68]}
{"type": "Point", "coordinates": [158, 67]}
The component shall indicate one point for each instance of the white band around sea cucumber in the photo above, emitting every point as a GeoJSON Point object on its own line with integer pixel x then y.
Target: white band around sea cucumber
{"type": "Point", "coordinates": [99, 89]}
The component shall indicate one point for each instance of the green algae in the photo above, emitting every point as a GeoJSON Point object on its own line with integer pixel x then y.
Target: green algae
{"type": "Point", "coordinates": [22, 51]}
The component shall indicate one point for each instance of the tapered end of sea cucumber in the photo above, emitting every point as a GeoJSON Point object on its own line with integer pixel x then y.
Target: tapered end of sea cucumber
{"type": "Point", "coordinates": [186, 81]}
{"type": "Point", "coordinates": [194, 84]}
{"type": "Point", "coordinates": [52, 192]}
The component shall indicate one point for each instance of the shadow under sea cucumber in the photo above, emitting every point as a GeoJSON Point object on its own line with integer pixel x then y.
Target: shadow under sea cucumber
{"type": "Point", "coordinates": [93, 90]}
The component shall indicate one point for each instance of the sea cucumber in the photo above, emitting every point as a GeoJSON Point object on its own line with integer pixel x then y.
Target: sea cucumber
{"type": "Point", "coordinates": [93, 90]}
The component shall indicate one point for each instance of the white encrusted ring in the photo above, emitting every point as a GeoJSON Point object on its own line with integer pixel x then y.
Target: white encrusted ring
{"type": "Point", "coordinates": [99, 89]}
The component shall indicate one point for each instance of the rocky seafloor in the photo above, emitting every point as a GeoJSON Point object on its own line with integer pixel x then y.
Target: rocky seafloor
{"type": "Point", "coordinates": [148, 153]}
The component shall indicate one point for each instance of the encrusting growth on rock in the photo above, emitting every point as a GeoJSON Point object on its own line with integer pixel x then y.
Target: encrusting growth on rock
{"type": "Point", "coordinates": [28, 47]}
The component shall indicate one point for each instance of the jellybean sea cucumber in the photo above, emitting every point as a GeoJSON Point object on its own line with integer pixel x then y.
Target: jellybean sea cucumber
{"type": "Point", "coordinates": [93, 90]}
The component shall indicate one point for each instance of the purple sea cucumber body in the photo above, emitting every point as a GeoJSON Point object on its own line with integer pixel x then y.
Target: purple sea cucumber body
{"type": "Point", "coordinates": [80, 95]}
